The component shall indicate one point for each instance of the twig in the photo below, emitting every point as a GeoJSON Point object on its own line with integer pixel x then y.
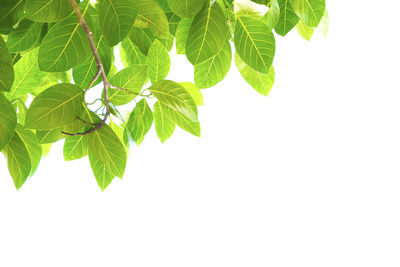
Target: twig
{"type": "Point", "coordinates": [100, 68]}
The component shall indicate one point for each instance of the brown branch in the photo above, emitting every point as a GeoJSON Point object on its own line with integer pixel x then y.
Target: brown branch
{"type": "Point", "coordinates": [100, 72]}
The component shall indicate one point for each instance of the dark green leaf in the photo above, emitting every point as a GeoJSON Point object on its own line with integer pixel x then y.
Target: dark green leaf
{"type": "Point", "coordinates": [186, 8]}
{"type": "Point", "coordinates": [310, 11]}
{"type": "Point", "coordinates": [287, 19]}
{"type": "Point", "coordinates": [25, 36]}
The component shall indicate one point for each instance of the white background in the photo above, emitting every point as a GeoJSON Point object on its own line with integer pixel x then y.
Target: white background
{"type": "Point", "coordinates": [308, 176]}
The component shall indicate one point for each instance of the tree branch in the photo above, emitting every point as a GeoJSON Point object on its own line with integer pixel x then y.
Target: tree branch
{"type": "Point", "coordinates": [100, 72]}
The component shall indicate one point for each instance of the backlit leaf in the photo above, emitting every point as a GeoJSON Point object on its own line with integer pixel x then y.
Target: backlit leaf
{"type": "Point", "coordinates": [117, 18]}
{"type": "Point", "coordinates": [140, 121]}
{"type": "Point", "coordinates": [8, 121]}
{"type": "Point", "coordinates": [288, 19]}
{"type": "Point", "coordinates": [186, 8]}
{"type": "Point", "coordinates": [194, 91]}
{"type": "Point", "coordinates": [47, 10]}
{"type": "Point", "coordinates": [102, 174]}
{"type": "Point", "coordinates": [28, 137]}
{"type": "Point", "coordinates": [158, 62]}
{"type": "Point", "coordinates": [254, 43]}
{"type": "Point", "coordinates": [182, 33]}
{"type": "Point", "coordinates": [164, 125]}
{"type": "Point", "coordinates": [182, 121]}
{"type": "Point", "coordinates": [55, 107]}
{"type": "Point", "coordinates": [25, 36]}
{"type": "Point", "coordinates": [75, 147]}
{"type": "Point", "coordinates": [310, 11]}
{"type": "Point", "coordinates": [176, 97]}
{"type": "Point", "coordinates": [6, 67]}
{"type": "Point", "coordinates": [151, 15]}
{"type": "Point", "coordinates": [207, 34]}
{"type": "Point", "coordinates": [304, 31]}
{"type": "Point", "coordinates": [131, 54]}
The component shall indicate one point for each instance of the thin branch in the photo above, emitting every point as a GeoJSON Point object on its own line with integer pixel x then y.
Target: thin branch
{"type": "Point", "coordinates": [100, 68]}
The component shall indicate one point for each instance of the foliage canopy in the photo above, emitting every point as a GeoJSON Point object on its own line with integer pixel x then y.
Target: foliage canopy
{"type": "Point", "coordinates": [52, 52]}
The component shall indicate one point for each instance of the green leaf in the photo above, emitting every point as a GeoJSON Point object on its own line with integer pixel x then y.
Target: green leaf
{"type": "Point", "coordinates": [140, 121]}
{"type": "Point", "coordinates": [25, 36]}
{"type": "Point", "coordinates": [310, 11]}
{"type": "Point", "coordinates": [47, 10]}
{"type": "Point", "coordinates": [6, 67]}
{"type": "Point", "coordinates": [131, 54]}
{"type": "Point", "coordinates": [288, 19]}
{"type": "Point", "coordinates": [117, 18]}
{"type": "Point", "coordinates": [18, 160]}
{"type": "Point", "coordinates": [132, 79]}
{"type": "Point", "coordinates": [11, 11]}
{"type": "Point", "coordinates": [164, 126]}
{"type": "Point", "coordinates": [207, 34]}
{"type": "Point", "coordinates": [254, 43]}
{"type": "Point", "coordinates": [182, 121]}
{"type": "Point", "coordinates": [83, 74]}
{"type": "Point", "coordinates": [152, 15]}
{"type": "Point", "coordinates": [158, 62]}
{"type": "Point", "coordinates": [142, 38]}
{"type": "Point", "coordinates": [55, 107]}
{"type": "Point", "coordinates": [8, 121]}
{"type": "Point", "coordinates": [182, 33]}
{"type": "Point", "coordinates": [304, 31]}
{"type": "Point", "coordinates": [214, 69]}
{"type": "Point", "coordinates": [108, 148]}
{"type": "Point", "coordinates": [186, 8]}
{"type": "Point", "coordinates": [49, 136]}
{"type": "Point", "coordinates": [173, 21]}
{"type": "Point", "coordinates": [273, 14]}
{"type": "Point", "coordinates": [28, 137]}
{"type": "Point", "coordinates": [28, 77]}
{"type": "Point", "coordinates": [194, 91]}
{"type": "Point", "coordinates": [261, 82]}
{"type": "Point", "coordinates": [65, 45]}
{"type": "Point", "coordinates": [323, 26]}
{"type": "Point", "coordinates": [100, 171]}
{"type": "Point", "coordinates": [75, 147]}
{"type": "Point", "coordinates": [176, 97]}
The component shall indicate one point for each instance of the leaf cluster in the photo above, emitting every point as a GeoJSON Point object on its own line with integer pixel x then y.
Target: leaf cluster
{"type": "Point", "coordinates": [48, 64]}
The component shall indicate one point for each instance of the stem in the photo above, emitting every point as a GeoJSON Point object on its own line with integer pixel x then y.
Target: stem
{"type": "Point", "coordinates": [100, 68]}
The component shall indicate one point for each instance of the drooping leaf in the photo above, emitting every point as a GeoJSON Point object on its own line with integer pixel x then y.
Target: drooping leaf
{"type": "Point", "coordinates": [158, 62]}
{"type": "Point", "coordinates": [6, 67]}
{"type": "Point", "coordinates": [140, 121]}
{"type": "Point", "coordinates": [131, 54]}
{"type": "Point", "coordinates": [323, 26]}
{"type": "Point", "coordinates": [287, 19]}
{"type": "Point", "coordinates": [207, 34]}
{"type": "Point", "coordinates": [182, 121]}
{"type": "Point", "coordinates": [214, 69]}
{"type": "Point", "coordinates": [254, 43]}
{"type": "Point", "coordinates": [107, 147]}
{"type": "Point", "coordinates": [117, 18]}
{"type": "Point", "coordinates": [55, 107]}
{"type": "Point", "coordinates": [182, 33]}
{"type": "Point", "coordinates": [28, 137]}
{"type": "Point", "coordinates": [173, 21]}
{"type": "Point", "coordinates": [132, 80]}
{"type": "Point", "coordinates": [25, 36]}
{"type": "Point", "coordinates": [186, 8]}
{"type": "Point", "coordinates": [261, 82]}
{"type": "Point", "coordinates": [194, 91]}
{"type": "Point", "coordinates": [8, 121]}
{"type": "Point", "coordinates": [49, 136]}
{"type": "Point", "coordinates": [102, 174]}
{"type": "Point", "coordinates": [164, 126]}
{"type": "Point", "coordinates": [151, 15]}
{"type": "Point", "coordinates": [18, 160]}
{"type": "Point", "coordinates": [176, 97]}
{"type": "Point", "coordinates": [65, 45]}
{"type": "Point", "coordinates": [142, 38]}
{"type": "Point", "coordinates": [47, 10]}
{"type": "Point", "coordinates": [28, 77]}
{"type": "Point", "coordinates": [75, 147]}
{"type": "Point", "coordinates": [304, 31]}
{"type": "Point", "coordinates": [310, 11]}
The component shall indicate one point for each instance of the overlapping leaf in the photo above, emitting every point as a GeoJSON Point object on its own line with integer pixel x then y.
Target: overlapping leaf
{"type": "Point", "coordinates": [8, 121]}
{"type": "Point", "coordinates": [207, 34]}
{"type": "Point", "coordinates": [6, 67]}
{"type": "Point", "coordinates": [254, 43]}
{"type": "Point", "coordinates": [140, 121]}
{"type": "Point", "coordinates": [287, 19]}
{"type": "Point", "coordinates": [75, 147]}
{"type": "Point", "coordinates": [55, 107]}
{"type": "Point", "coordinates": [117, 18]}
{"type": "Point", "coordinates": [176, 97]}
{"type": "Point", "coordinates": [158, 62]}
{"type": "Point", "coordinates": [47, 10]}
{"type": "Point", "coordinates": [186, 8]}
{"type": "Point", "coordinates": [24, 37]}
{"type": "Point", "coordinates": [310, 11]}
{"type": "Point", "coordinates": [151, 15]}
{"type": "Point", "coordinates": [100, 171]}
